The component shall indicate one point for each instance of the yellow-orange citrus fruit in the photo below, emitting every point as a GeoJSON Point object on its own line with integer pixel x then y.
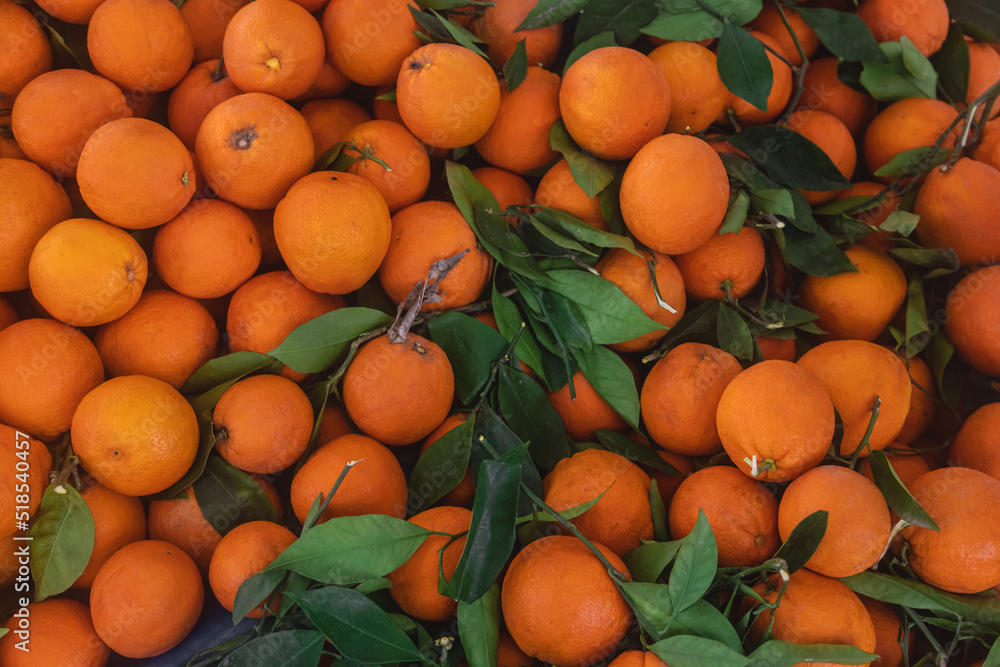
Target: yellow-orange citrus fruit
{"type": "Point", "coordinates": [331, 121]}
{"type": "Point", "coordinates": [727, 263]}
{"type": "Point", "coordinates": [509, 653]}
{"type": "Point", "coordinates": [879, 205]}
{"type": "Point", "coordinates": [781, 90]}
{"type": "Point", "coordinates": [207, 20]}
{"type": "Point", "coordinates": [888, 633]}
{"type": "Point", "coordinates": [777, 348]}
{"type": "Point", "coordinates": [666, 483]}
{"type": "Point", "coordinates": [823, 90]}
{"type": "Point", "coordinates": [135, 435]}
{"type": "Point", "coordinates": [118, 520]}
{"type": "Point", "coordinates": [833, 138]}
{"type": "Point", "coordinates": [409, 173]}
{"type": "Point", "coordinates": [904, 125]}
{"type": "Point", "coordinates": [61, 633]}
{"type": "Point", "coordinates": [25, 51]}
{"type": "Point", "coordinates": [977, 444]}
{"type": "Point", "coordinates": [146, 598]}
{"type": "Point", "coordinates": [497, 26]}
{"type": "Point", "coordinates": [586, 412]}
{"type": "Point", "coordinates": [332, 423]}
{"type": "Point", "coordinates": [243, 552]}
{"type": "Point", "coordinates": [330, 82]}
{"type": "Point", "coordinates": [697, 94]}
{"type": "Point", "coordinates": [29, 464]}
{"type": "Point", "coordinates": [202, 89]}
{"type": "Point", "coordinates": [923, 399]}
{"type": "Point", "coordinates": [984, 71]}
{"type": "Point", "coordinates": [924, 23]}
{"type": "Point", "coordinates": [674, 193]}
{"type": "Point", "coordinates": [635, 658]}
{"type": "Point", "coordinates": [974, 321]}
{"type": "Point", "coordinates": [613, 101]}
{"type": "Point", "coordinates": [508, 188]}
{"type": "Point", "coordinates": [368, 40]}
{"type": "Point", "coordinates": [559, 189]}
{"type": "Point", "coordinates": [770, 22]}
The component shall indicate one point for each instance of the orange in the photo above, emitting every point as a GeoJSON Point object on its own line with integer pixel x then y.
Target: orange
{"type": "Point", "coordinates": [46, 368]}
{"type": "Point", "coordinates": [201, 90]}
{"type": "Point", "coordinates": [742, 513]}
{"type": "Point", "coordinates": [824, 91]}
{"type": "Point", "coordinates": [86, 272]}
{"type": "Point", "coordinates": [903, 125]}
{"type": "Point", "coordinates": [399, 392]}
{"type": "Point", "coordinates": [264, 222]}
{"type": "Point", "coordinates": [510, 655]}
{"type": "Point", "coordinates": [973, 320]}
{"type": "Point", "coordinates": [988, 150]}
{"type": "Point", "coordinates": [142, 45]}
{"type": "Point", "coordinates": [881, 206]}
{"type": "Point", "coordinates": [25, 52]}
{"type": "Point", "coordinates": [135, 435]}
{"type": "Point", "coordinates": [925, 22]}
{"type": "Point", "coordinates": [621, 519]}
{"type": "Point", "coordinates": [8, 144]}
{"type": "Point", "coordinates": [784, 435]}
{"type": "Point", "coordinates": [730, 263]}
{"type": "Point", "coordinates": [781, 90]}
{"type": "Point", "coordinates": [61, 633]}
{"type": "Point", "coordinates": [854, 373]}
{"type": "Point", "coordinates": [858, 305]}
{"type": "Point", "coordinates": [832, 137]}
{"type": "Point", "coordinates": [508, 188]}
{"type": "Point", "coordinates": [614, 100]}
{"type": "Point", "coordinates": [374, 485]}
{"type": "Point", "coordinates": [332, 423]}
{"type": "Point", "coordinates": [923, 399]}
{"type": "Point", "coordinates": [984, 71]}
{"type": "Point", "coordinates": [415, 582]}
{"type": "Point", "coordinates": [243, 552]}
{"type": "Point", "coordinates": [333, 232]}
{"type": "Point", "coordinates": [207, 20]}
{"type": "Point", "coordinates": [497, 26]}
{"type": "Point", "coordinates": [813, 610]}
{"type": "Point", "coordinates": [958, 209]}
{"type": "Point", "coordinates": [556, 588]}
{"type": "Point", "coordinates": [31, 203]}
{"type": "Point", "coordinates": [167, 336]}
{"type": "Point", "coordinates": [976, 444]}
{"type": "Point", "coordinates": [777, 348]}
{"type": "Point", "coordinates": [681, 394]}
{"type": "Point", "coordinates": [331, 121]}
{"type": "Point", "coordinates": [28, 463]}
{"type": "Point", "coordinates": [463, 494]}
{"type": "Point", "coordinates": [907, 463]}
{"type": "Point", "coordinates": [961, 557]}
{"type": "Point", "coordinates": [697, 94]}
{"type": "Point", "coordinates": [447, 95]}
{"type": "Point", "coordinates": [630, 273]}
{"type": "Point", "coordinates": [559, 189]}
{"type": "Point", "coordinates": [667, 484]}
{"type": "Point", "coordinates": [251, 148]}
{"type": "Point", "coordinates": [424, 233]}
{"type": "Point", "coordinates": [635, 658]}
{"type": "Point", "coordinates": [585, 413]}
{"type": "Point", "coordinates": [263, 423]}
{"type": "Point", "coordinates": [769, 22]}
{"type": "Point", "coordinates": [518, 139]}
{"type": "Point", "coordinates": [888, 633]}
{"type": "Point", "coordinates": [118, 520]}
{"type": "Point", "coordinates": [391, 142]}
{"type": "Point", "coordinates": [858, 525]}
{"type": "Point", "coordinates": [146, 598]}
{"type": "Point", "coordinates": [330, 82]}
{"type": "Point", "coordinates": [368, 40]}
{"type": "Point", "coordinates": [674, 194]}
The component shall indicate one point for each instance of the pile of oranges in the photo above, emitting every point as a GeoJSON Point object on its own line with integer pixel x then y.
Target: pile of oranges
{"type": "Point", "coordinates": [182, 188]}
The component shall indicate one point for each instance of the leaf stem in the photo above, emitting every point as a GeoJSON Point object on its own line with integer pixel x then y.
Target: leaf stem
{"type": "Point", "coordinates": [800, 71]}
{"type": "Point", "coordinates": [868, 432]}
{"type": "Point", "coordinates": [919, 622]}
{"type": "Point", "coordinates": [334, 380]}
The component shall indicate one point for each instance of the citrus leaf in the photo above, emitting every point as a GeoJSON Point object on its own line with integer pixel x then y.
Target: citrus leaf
{"type": "Point", "coordinates": [479, 628]}
{"type": "Point", "coordinates": [773, 201]}
{"type": "Point", "coordinates": [62, 540]}
{"type": "Point", "coordinates": [612, 380]}
{"type": "Point", "coordinates": [917, 324]}
{"type": "Point", "coordinates": [698, 325]}
{"type": "Point", "coordinates": [790, 158]}
{"type": "Point", "coordinates": [690, 651]}
{"type": "Point", "coordinates": [315, 345]}
{"type": "Point", "coordinates": [898, 497]}
{"type": "Point", "coordinates": [580, 230]}
{"type": "Point", "coordinates": [550, 12]}
{"type": "Point", "coordinates": [228, 497]}
{"type": "Point", "coordinates": [813, 252]}
{"type": "Point", "coordinates": [621, 444]}
{"type": "Point", "coordinates": [846, 35]}
{"type": "Point", "coordinates": [493, 438]}
{"type": "Point", "coordinates": [922, 158]}
{"type": "Point", "coordinates": [694, 20]}
{"type": "Point", "coordinates": [900, 222]}
{"type": "Point", "coordinates": [591, 174]}
{"type": "Point", "coordinates": [598, 41]}
{"type": "Point", "coordinates": [786, 654]}
{"type": "Point", "coordinates": [532, 418]}
{"type": "Point", "coordinates": [472, 347]}
{"type": "Point", "coordinates": [803, 541]}
{"type": "Point", "coordinates": [736, 212]}
{"type": "Point", "coordinates": [291, 648]}
{"type": "Point", "coordinates": [228, 367]}
{"type": "Point", "coordinates": [744, 66]}
{"type": "Point", "coordinates": [622, 18]}
{"type": "Point", "coordinates": [441, 29]}
{"type": "Point", "coordinates": [255, 590]}
{"type": "Point", "coordinates": [516, 67]}
{"type": "Point", "coordinates": [704, 620]}
{"type": "Point", "coordinates": [509, 323]}
{"type": "Point", "coordinates": [661, 529]}
{"type": "Point", "coordinates": [907, 74]}
{"type": "Point", "coordinates": [648, 561]}
{"type": "Point", "coordinates": [609, 314]}
{"type": "Point", "coordinates": [952, 65]}
{"type": "Point", "coordinates": [695, 565]}
{"type": "Point", "coordinates": [564, 318]}
{"type": "Point", "coordinates": [979, 18]}
{"type": "Point", "coordinates": [734, 334]}
{"type": "Point", "coordinates": [441, 468]}
{"type": "Point", "coordinates": [928, 258]}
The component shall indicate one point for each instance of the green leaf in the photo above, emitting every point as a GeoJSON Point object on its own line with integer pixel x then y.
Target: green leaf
{"type": "Point", "coordinates": [228, 497]}
{"type": "Point", "coordinates": [695, 566]}
{"type": "Point", "coordinates": [550, 12]}
{"type": "Point", "coordinates": [900, 222]}
{"type": "Point", "coordinates": [509, 323]}
{"type": "Point", "coordinates": [813, 252]}
{"type": "Point", "coordinates": [564, 318]}
{"type": "Point", "coordinates": [648, 561]}
{"type": "Point", "coordinates": [992, 660]}
{"type": "Point", "coordinates": [744, 66]}
{"type": "Point", "coordinates": [350, 549]}
{"type": "Point", "coordinates": [356, 626]}
{"type": "Point", "coordinates": [229, 367]}
{"type": "Point", "coordinates": [472, 347]}
{"type": "Point", "coordinates": [62, 540]}
{"type": "Point", "coordinates": [917, 323]}
{"type": "Point", "coordinates": [661, 527]}
{"type": "Point", "coordinates": [845, 34]}
{"type": "Point", "coordinates": [734, 334]}
{"type": "Point", "coordinates": [612, 380]}
{"type": "Point", "coordinates": [591, 174]}
{"type": "Point", "coordinates": [317, 344]}
{"type": "Point", "coordinates": [704, 620]}
{"type": "Point", "coordinates": [479, 628]}
{"type": "Point", "coordinates": [532, 418]}
{"type": "Point", "coordinates": [291, 648]}
{"type": "Point", "coordinates": [979, 18]}
{"type": "Point", "coordinates": [651, 603]}
{"type": "Point", "coordinates": [698, 325]}
{"type": "Point", "coordinates": [923, 158]}
{"type": "Point", "coordinates": [786, 654]}
{"type": "Point", "coordinates": [690, 651]}
{"type": "Point", "coordinates": [790, 158]}
{"type": "Point", "coordinates": [803, 541]}
{"type": "Point", "coordinates": [692, 21]}
{"type": "Point", "coordinates": [775, 202]}
{"type": "Point", "coordinates": [952, 65]}
{"type": "Point", "coordinates": [736, 212]}
{"type": "Point", "coordinates": [907, 74]}
{"type": "Point", "coordinates": [943, 259]}
{"type": "Point", "coordinates": [516, 67]}
{"type": "Point", "coordinates": [441, 467]}
{"type": "Point", "coordinates": [580, 230]}
{"type": "Point", "coordinates": [494, 432]}
{"type": "Point", "coordinates": [254, 591]}
{"type": "Point", "coordinates": [621, 444]}
{"type": "Point", "coordinates": [898, 497]}
{"type": "Point", "coordinates": [624, 18]}
{"type": "Point", "coordinates": [598, 41]}
{"type": "Point", "coordinates": [441, 29]}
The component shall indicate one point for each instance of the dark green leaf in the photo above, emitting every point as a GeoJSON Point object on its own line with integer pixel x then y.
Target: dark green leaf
{"type": "Point", "coordinates": [225, 368]}
{"type": "Point", "coordinates": [598, 41]}
{"type": "Point", "coordinates": [591, 174]}
{"type": "Point", "coordinates": [803, 541]}
{"type": "Point", "coordinates": [516, 67]}
{"type": "Point", "coordinates": [610, 315]}
{"type": "Point", "coordinates": [952, 65]}
{"type": "Point", "coordinates": [228, 497]}
{"type": "Point", "coordinates": [734, 334]}
{"type": "Point", "coordinates": [291, 648]}
{"type": "Point", "coordinates": [621, 444]}
{"type": "Point", "coordinates": [916, 317]}
{"type": "Point", "coordinates": [736, 213]}
{"type": "Point", "coordinates": [775, 202]}
{"type": "Point", "coordinates": [550, 12]}
{"type": "Point", "coordinates": [472, 348]}
{"type": "Point", "coordinates": [479, 628]}
{"type": "Point", "coordinates": [661, 528]}
{"type": "Point", "coordinates": [900, 500]}
{"type": "Point", "coordinates": [744, 66]}
{"type": "Point", "coordinates": [747, 172]}
{"type": "Point", "coordinates": [565, 319]}
{"type": "Point", "coordinates": [530, 415]}
{"type": "Point", "coordinates": [698, 325]}
{"type": "Point", "coordinates": [907, 74]}
{"type": "Point", "coordinates": [62, 539]}
{"type": "Point", "coordinates": [648, 561]}
{"type": "Point", "coordinates": [612, 380]}
{"type": "Point", "coordinates": [692, 21]}
{"type": "Point", "coordinates": [441, 467]}
{"type": "Point", "coordinates": [581, 231]}
{"type": "Point", "coordinates": [441, 29]}
{"type": "Point", "coordinates": [790, 158]}
{"type": "Point", "coordinates": [509, 323]}
{"type": "Point", "coordinates": [317, 344]}
{"type": "Point", "coordinates": [923, 158]}
{"type": "Point", "coordinates": [690, 651]}
{"type": "Point", "coordinates": [254, 591]}
{"type": "Point", "coordinates": [695, 566]}
{"type": "Point", "coordinates": [813, 252]}
{"type": "Point", "coordinates": [979, 18]}
{"type": "Point", "coordinates": [704, 620]}
{"type": "Point", "coordinates": [622, 17]}
{"type": "Point", "coordinates": [928, 258]}
{"type": "Point", "coordinates": [492, 435]}
{"type": "Point", "coordinates": [845, 34]}
{"type": "Point", "coordinates": [786, 654]}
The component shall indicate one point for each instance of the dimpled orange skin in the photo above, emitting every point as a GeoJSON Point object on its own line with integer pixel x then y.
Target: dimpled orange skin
{"type": "Point", "coordinates": [613, 101]}
{"type": "Point", "coordinates": [18, 446]}
{"type": "Point", "coordinates": [832, 137]}
{"type": "Point", "coordinates": [62, 633]}
{"type": "Point", "coordinates": [824, 91]}
{"type": "Point", "coordinates": [906, 124]}
{"type": "Point", "coordinates": [409, 173]}
{"type": "Point", "coordinates": [560, 573]}
{"type": "Point", "coordinates": [497, 27]}
{"type": "Point", "coordinates": [24, 48]}
{"type": "Point", "coordinates": [977, 443]}
{"type": "Point", "coordinates": [674, 193]}
{"type": "Point", "coordinates": [585, 413]}
{"type": "Point", "coordinates": [964, 557]}
{"type": "Point", "coordinates": [243, 552]}
{"type": "Point", "coordinates": [737, 258]}
{"type": "Point", "coordinates": [369, 59]}
{"type": "Point", "coordinates": [789, 432]}
{"type": "Point", "coordinates": [197, 94]}
{"type": "Point", "coordinates": [118, 520]}
{"type": "Point", "coordinates": [559, 189]}
{"type": "Point", "coordinates": [973, 324]}
{"type": "Point", "coordinates": [697, 94]}
{"type": "Point", "coordinates": [635, 658]}
{"type": "Point", "coordinates": [781, 90]}
{"type": "Point", "coordinates": [181, 522]}
{"type": "Point", "coordinates": [924, 22]}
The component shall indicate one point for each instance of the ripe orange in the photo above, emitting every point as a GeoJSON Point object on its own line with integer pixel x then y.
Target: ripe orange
{"type": "Point", "coordinates": [635, 658]}
{"type": "Point", "coordinates": [674, 194]}
{"type": "Point", "coordinates": [888, 633]}
{"type": "Point", "coordinates": [667, 484]}
{"type": "Point", "coordinates": [973, 320]}
{"type": "Point", "coordinates": [31, 203]}
{"type": "Point", "coordinates": [399, 392]}
{"type": "Point", "coordinates": [447, 95]}
{"type": "Point", "coordinates": [368, 40]}
{"type": "Point", "coordinates": [770, 23]}
{"type": "Point", "coordinates": [207, 20]}
{"type": "Point", "coordinates": [833, 138]}
{"type": "Point", "coordinates": [243, 552]}
{"type": "Point", "coordinates": [731, 262]}
{"type": "Point", "coordinates": [135, 435]}
{"type": "Point", "coordinates": [988, 150]}
{"type": "Point", "coordinates": [960, 558]}
{"type": "Point", "coordinates": [463, 494]}
{"type": "Point", "coordinates": [415, 582]}
{"type": "Point", "coordinates": [87, 272]}
{"type": "Point", "coordinates": [46, 368]}
{"type": "Point", "coordinates": [923, 399]}
{"type": "Point", "coordinates": [557, 588]}
{"type": "Point", "coordinates": [824, 91]}
{"type": "Point", "coordinates": [906, 124]}
{"type": "Point", "coordinates": [508, 188]}
{"type": "Point", "coordinates": [681, 394]}
{"type": "Point", "coordinates": [559, 189]}
{"type": "Point", "coordinates": [518, 139]}
{"type": "Point", "coordinates": [374, 485]}
{"type": "Point", "coordinates": [906, 461]}
{"type": "Point", "coordinates": [614, 100]}
{"type": "Point", "coordinates": [410, 166]}
{"type": "Point", "coordinates": [118, 520]}
{"type": "Point", "coordinates": [251, 148]}
{"type": "Point", "coordinates": [62, 633]}
{"type": "Point", "coordinates": [331, 121]}
{"type": "Point", "coordinates": [146, 598]}
{"type": "Point", "coordinates": [141, 45]}
{"type": "Point", "coordinates": [877, 213]}
{"type": "Point", "coordinates": [777, 348]}
{"type": "Point", "coordinates": [781, 90]}
{"type": "Point", "coordinates": [743, 514]}
{"type": "Point", "coordinates": [925, 24]}
{"type": "Point", "coordinates": [332, 423]}
{"type": "Point", "coordinates": [984, 71]}
{"type": "Point", "coordinates": [29, 463]}
{"type": "Point", "coordinates": [26, 51]}
{"type": "Point", "coordinates": [697, 94]}
{"type": "Point", "coordinates": [330, 82]}
{"type": "Point", "coordinates": [203, 88]}
{"type": "Point", "coordinates": [510, 655]}
{"type": "Point", "coordinates": [586, 413]}
{"type": "Point", "coordinates": [976, 444]}
{"type": "Point", "coordinates": [778, 417]}
{"type": "Point", "coordinates": [497, 26]}
{"type": "Point", "coordinates": [621, 519]}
